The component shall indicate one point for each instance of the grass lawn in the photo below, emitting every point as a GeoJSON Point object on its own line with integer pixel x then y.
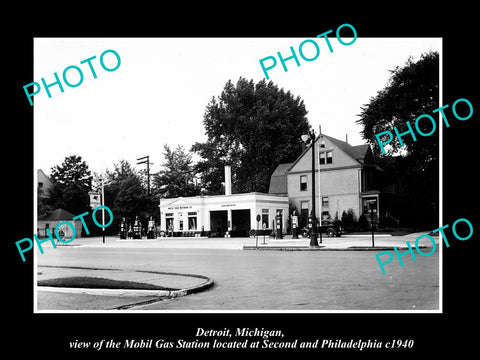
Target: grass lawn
{"type": "Point", "coordinates": [98, 283]}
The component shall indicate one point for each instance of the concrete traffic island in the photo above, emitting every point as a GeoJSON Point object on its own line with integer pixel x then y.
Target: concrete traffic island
{"type": "Point", "coordinates": [145, 286]}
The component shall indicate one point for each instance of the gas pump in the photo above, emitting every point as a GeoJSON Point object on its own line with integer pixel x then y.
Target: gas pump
{"type": "Point", "coordinates": [278, 224]}
{"type": "Point", "coordinates": [123, 229]}
{"type": "Point", "coordinates": [294, 226]}
{"type": "Point", "coordinates": [151, 229]}
{"type": "Point", "coordinates": [137, 229]}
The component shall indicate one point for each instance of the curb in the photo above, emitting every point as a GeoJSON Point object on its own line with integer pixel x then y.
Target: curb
{"type": "Point", "coordinates": [111, 292]}
{"type": "Point", "coordinates": [323, 248]}
{"type": "Point", "coordinates": [132, 292]}
{"type": "Point", "coordinates": [283, 248]}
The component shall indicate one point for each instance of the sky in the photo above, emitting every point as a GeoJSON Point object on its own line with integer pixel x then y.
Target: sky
{"type": "Point", "coordinates": [159, 93]}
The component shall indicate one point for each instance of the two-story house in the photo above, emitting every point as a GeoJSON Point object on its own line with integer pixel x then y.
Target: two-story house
{"type": "Point", "coordinates": [347, 179]}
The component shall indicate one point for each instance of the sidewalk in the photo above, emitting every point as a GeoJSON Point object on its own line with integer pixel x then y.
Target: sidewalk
{"type": "Point", "coordinates": [345, 242]}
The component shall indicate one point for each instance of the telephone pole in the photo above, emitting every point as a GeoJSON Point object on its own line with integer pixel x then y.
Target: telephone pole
{"type": "Point", "coordinates": [146, 160]}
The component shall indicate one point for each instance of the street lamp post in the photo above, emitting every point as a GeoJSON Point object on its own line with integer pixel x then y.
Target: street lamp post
{"type": "Point", "coordinates": [313, 234]}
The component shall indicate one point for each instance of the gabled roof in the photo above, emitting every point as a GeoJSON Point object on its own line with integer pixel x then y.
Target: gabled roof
{"type": "Point", "coordinates": [357, 152]}
{"type": "Point", "coordinates": [282, 169]}
{"type": "Point", "coordinates": [40, 173]}
{"type": "Point", "coordinates": [278, 180]}
{"type": "Point", "coordinates": [180, 199]}
{"type": "Point", "coordinates": [58, 214]}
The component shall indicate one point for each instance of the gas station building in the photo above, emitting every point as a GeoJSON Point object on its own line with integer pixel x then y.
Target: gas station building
{"type": "Point", "coordinates": [222, 215]}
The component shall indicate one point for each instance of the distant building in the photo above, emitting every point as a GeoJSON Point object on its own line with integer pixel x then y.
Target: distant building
{"type": "Point", "coordinates": [347, 180]}
{"type": "Point", "coordinates": [50, 221]}
{"type": "Point", "coordinates": [43, 183]}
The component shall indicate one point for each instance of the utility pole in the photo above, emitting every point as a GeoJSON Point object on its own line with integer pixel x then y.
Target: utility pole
{"type": "Point", "coordinates": [146, 160]}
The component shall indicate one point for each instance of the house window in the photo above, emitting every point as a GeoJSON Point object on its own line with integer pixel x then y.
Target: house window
{"type": "Point", "coordinates": [329, 157]}
{"type": "Point", "coordinates": [324, 201]}
{"type": "Point", "coordinates": [326, 158]}
{"type": "Point", "coordinates": [303, 213]}
{"type": "Point", "coordinates": [192, 220]}
{"type": "Point", "coordinates": [264, 217]}
{"type": "Point", "coordinates": [303, 182]}
{"type": "Point", "coordinates": [304, 208]}
{"type": "Point", "coordinates": [322, 159]}
{"type": "Point", "coordinates": [370, 204]}
{"type": "Point", "coordinates": [40, 184]}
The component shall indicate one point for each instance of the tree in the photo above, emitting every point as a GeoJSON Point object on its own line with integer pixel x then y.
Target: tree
{"type": "Point", "coordinates": [42, 203]}
{"type": "Point", "coordinates": [70, 185]}
{"type": "Point", "coordinates": [125, 194]}
{"type": "Point", "coordinates": [177, 176]}
{"type": "Point", "coordinates": [252, 128]}
{"type": "Point", "coordinates": [349, 220]}
{"type": "Point", "coordinates": [411, 91]}
{"type": "Point", "coordinates": [131, 199]}
{"type": "Point", "coordinates": [121, 171]}
{"type": "Point", "coordinates": [72, 171]}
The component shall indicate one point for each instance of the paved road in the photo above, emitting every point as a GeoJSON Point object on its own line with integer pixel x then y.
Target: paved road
{"type": "Point", "coordinates": [270, 280]}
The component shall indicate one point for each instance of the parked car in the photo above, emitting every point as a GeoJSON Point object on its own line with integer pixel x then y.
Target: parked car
{"type": "Point", "coordinates": [329, 227]}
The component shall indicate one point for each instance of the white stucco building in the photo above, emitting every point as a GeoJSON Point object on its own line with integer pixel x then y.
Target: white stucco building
{"type": "Point", "coordinates": [220, 215]}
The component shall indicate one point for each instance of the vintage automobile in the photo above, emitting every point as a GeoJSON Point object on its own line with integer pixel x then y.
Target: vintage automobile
{"type": "Point", "coordinates": [330, 227]}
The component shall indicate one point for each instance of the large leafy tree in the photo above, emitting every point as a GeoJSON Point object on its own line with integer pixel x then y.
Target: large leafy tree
{"type": "Point", "coordinates": [70, 185]}
{"type": "Point", "coordinates": [411, 91]}
{"type": "Point", "coordinates": [253, 128]}
{"type": "Point", "coordinates": [125, 194]}
{"type": "Point", "coordinates": [177, 178]}
{"type": "Point", "coordinates": [72, 171]}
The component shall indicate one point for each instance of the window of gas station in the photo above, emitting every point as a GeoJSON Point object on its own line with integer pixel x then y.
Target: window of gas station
{"type": "Point", "coordinates": [169, 221]}
{"type": "Point", "coordinates": [192, 220]}
{"type": "Point", "coordinates": [265, 217]}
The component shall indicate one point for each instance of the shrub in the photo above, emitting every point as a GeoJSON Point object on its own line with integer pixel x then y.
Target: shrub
{"type": "Point", "coordinates": [349, 220]}
{"type": "Point", "coordinates": [363, 223]}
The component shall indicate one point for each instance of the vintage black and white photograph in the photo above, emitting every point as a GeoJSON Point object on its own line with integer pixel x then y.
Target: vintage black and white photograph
{"type": "Point", "coordinates": [239, 174]}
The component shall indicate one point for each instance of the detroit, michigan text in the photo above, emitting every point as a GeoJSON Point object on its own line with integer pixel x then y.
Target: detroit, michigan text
{"type": "Point", "coordinates": [240, 332]}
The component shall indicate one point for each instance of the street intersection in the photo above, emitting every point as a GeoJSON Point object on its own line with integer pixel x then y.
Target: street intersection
{"type": "Point", "coordinates": [250, 280]}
